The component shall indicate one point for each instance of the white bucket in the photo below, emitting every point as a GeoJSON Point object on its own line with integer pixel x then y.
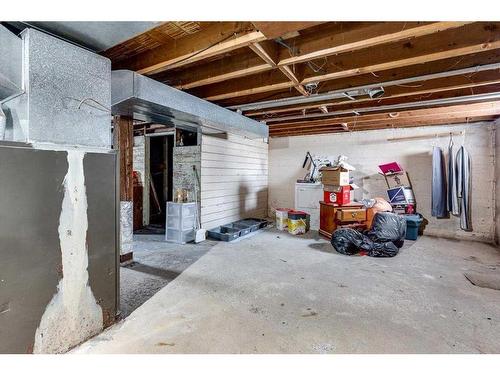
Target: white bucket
{"type": "Point", "coordinates": [281, 218]}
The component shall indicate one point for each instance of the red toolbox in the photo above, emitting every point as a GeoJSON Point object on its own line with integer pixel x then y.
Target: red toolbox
{"type": "Point", "coordinates": [339, 194]}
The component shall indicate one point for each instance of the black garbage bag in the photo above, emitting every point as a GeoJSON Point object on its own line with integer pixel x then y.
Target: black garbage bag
{"type": "Point", "coordinates": [387, 226]}
{"type": "Point", "coordinates": [349, 241]}
{"type": "Point", "coordinates": [383, 240]}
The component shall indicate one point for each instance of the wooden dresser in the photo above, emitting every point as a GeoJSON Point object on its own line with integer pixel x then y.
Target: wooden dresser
{"type": "Point", "coordinates": [333, 216]}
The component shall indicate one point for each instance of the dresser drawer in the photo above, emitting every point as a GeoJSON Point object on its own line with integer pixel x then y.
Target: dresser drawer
{"type": "Point", "coordinates": [357, 214]}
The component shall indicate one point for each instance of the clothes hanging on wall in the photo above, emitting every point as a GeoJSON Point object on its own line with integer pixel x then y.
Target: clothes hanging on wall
{"type": "Point", "coordinates": [439, 201]}
{"type": "Point", "coordinates": [463, 175]}
{"type": "Point", "coordinates": [452, 181]}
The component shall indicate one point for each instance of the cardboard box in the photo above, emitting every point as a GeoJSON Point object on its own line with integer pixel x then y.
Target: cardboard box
{"type": "Point", "coordinates": [401, 195]}
{"type": "Point", "coordinates": [395, 180]}
{"type": "Point", "coordinates": [334, 176]}
{"type": "Point", "coordinates": [337, 194]}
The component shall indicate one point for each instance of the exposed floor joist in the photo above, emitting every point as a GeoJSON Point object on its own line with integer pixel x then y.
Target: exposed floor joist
{"type": "Point", "coordinates": [218, 38]}
{"type": "Point", "coordinates": [417, 117]}
{"type": "Point", "coordinates": [340, 40]}
{"type": "Point", "coordinates": [453, 43]}
{"type": "Point", "coordinates": [235, 63]}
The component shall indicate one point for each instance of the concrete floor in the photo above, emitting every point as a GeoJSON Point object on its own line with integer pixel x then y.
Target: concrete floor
{"type": "Point", "coordinates": [156, 263]}
{"type": "Point", "coordinates": [276, 293]}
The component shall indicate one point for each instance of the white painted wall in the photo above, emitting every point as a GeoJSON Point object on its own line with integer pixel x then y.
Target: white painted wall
{"type": "Point", "coordinates": [497, 184]}
{"type": "Point", "coordinates": [366, 150]}
{"type": "Point", "coordinates": [234, 177]}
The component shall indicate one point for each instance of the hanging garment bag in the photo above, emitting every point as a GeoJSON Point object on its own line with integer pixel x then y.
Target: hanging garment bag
{"type": "Point", "coordinates": [463, 188]}
{"type": "Point", "coordinates": [439, 201]}
{"type": "Point", "coordinates": [452, 181]}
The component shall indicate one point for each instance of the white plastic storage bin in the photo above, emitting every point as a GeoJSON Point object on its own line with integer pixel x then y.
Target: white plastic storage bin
{"type": "Point", "coordinates": [179, 236]}
{"type": "Point", "coordinates": [180, 222]}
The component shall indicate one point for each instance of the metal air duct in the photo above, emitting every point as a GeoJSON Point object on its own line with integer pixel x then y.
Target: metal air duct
{"type": "Point", "coordinates": [145, 99]}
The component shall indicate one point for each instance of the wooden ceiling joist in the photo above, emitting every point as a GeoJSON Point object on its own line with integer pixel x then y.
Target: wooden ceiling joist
{"type": "Point", "coordinates": [233, 66]}
{"type": "Point", "coordinates": [454, 43]}
{"type": "Point", "coordinates": [236, 63]}
{"type": "Point", "coordinates": [434, 122]}
{"type": "Point", "coordinates": [268, 52]}
{"type": "Point", "coordinates": [459, 82]}
{"type": "Point", "coordinates": [394, 99]}
{"type": "Point", "coordinates": [422, 116]}
{"type": "Point", "coordinates": [274, 30]}
{"type": "Point", "coordinates": [337, 40]}
{"type": "Point", "coordinates": [440, 66]}
{"type": "Point", "coordinates": [216, 39]}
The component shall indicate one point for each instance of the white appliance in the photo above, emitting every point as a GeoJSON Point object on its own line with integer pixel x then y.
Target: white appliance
{"type": "Point", "coordinates": [307, 198]}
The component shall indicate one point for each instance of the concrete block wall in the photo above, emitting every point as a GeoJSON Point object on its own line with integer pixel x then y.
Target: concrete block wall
{"type": "Point", "coordinates": [184, 159]}
{"type": "Point", "coordinates": [141, 155]}
{"type": "Point", "coordinates": [366, 150]}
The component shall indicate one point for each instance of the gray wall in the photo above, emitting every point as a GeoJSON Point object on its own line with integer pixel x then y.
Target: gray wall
{"type": "Point", "coordinates": [366, 150]}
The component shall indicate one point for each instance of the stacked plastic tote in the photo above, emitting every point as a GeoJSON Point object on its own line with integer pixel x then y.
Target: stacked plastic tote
{"type": "Point", "coordinates": [180, 222]}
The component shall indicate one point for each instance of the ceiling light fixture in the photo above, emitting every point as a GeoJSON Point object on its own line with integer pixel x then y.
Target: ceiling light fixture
{"type": "Point", "coordinates": [376, 92]}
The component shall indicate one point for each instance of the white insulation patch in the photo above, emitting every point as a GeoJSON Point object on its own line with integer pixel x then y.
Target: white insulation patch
{"type": "Point", "coordinates": [73, 314]}
{"type": "Point", "coordinates": [126, 226]}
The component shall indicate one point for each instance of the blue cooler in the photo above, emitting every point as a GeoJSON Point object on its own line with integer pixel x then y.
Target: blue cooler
{"type": "Point", "coordinates": [412, 225]}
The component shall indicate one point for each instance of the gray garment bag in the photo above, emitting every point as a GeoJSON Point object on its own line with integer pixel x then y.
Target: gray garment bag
{"type": "Point", "coordinates": [439, 201]}
{"type": "Point", "coordinates": [453, 206]}
{"type": "Point", "coordinates": [464, 187]}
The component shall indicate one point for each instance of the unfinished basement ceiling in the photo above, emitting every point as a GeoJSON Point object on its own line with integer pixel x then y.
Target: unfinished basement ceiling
{"type": "Point", "coordinates": [235, 64]}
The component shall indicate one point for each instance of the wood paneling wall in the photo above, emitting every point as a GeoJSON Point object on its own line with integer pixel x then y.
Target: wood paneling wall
{"type": "Point", "coordinates": [234, 173]}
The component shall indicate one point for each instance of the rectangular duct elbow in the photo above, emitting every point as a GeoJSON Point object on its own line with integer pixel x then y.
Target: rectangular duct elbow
{"type": "Point", "coordinates": [11, 55]}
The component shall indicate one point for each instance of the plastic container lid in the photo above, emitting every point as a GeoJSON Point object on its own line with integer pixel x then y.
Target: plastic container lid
{"type": "Point", "coordinates": [414, 218]}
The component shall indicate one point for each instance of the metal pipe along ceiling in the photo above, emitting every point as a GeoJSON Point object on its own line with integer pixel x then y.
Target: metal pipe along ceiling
{"type": "Point", "coordinates": [463, 99]}
{"type": "Point", "coordinates": [359, 90]}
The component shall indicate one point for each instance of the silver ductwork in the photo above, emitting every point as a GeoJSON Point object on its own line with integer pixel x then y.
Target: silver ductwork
{"type": "Point", "coordinates": [145, 99]}
{"type": "Point", "coordinates": [67, 91]}
{"type": "Point", "coordinates": [11, 54]}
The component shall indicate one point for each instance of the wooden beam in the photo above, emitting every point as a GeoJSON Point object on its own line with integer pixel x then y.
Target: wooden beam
{"type": "Point", "coordinates": [291, 76]}
{"type": "Point", "coordinates": [456, 83]}
{"type": "Point", "coordinates": [273, 30]}
{"type": "Point", "coordinates": [450, 45]}
{"type": "Point", "coordinates": [263, 82]}
{"type": "Point", "coordinates": [467, 61]}
{"type": "Point", "coordinates": [268, 52]}
{"type": "Point", "coordinates": [353, 38]}
{"type": "Point", "coordinates": [466, 40]}
{"type": "Point", "coordinates": [123, 133]}
{"type": "Point", "coordinates": [357, 106]}
{"type": "Point", "coordinates": [252, 91]}
{"type": "Point", "coordinates": [231, 67]}
{"type": "Point", "coordinates": [471, 121]}
{"type": "Point", "coordinates": [463, 110]}
{"type": "Point", "coordinates": [216, 39]}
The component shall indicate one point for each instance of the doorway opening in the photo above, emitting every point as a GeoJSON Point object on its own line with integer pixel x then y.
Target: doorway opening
{"type": "Point", "coordinates": [161, 178]}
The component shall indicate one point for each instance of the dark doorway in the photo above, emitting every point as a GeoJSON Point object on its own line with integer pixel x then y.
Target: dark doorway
{"type": "Point", "coordinates": [161, 167]}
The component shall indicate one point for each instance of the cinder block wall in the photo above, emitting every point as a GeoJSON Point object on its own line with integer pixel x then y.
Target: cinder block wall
{"type": "Point", "coordinates": [183, 175]}
{"type": "Point", "coordinates": [366, 150]}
